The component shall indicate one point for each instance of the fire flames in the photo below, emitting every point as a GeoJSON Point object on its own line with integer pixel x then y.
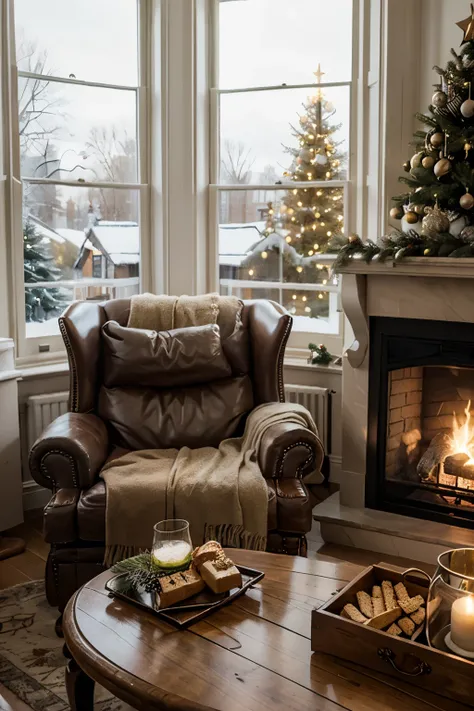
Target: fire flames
{"type": "Point", "coordinates": [463, 436]}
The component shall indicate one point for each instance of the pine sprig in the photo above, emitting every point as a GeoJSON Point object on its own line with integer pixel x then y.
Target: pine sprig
{"type": "Point", "coordinates": [141, 571]}
{"type": "Point", "coordinates": [399, 245]}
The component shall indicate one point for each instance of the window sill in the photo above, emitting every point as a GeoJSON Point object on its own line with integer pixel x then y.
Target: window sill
{"type": "Point", "coordinates": [301, 363]}
{"type": "Point", "coordinates": [34, 372]}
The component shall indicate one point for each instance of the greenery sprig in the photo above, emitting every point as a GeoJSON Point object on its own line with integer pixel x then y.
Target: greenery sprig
{"type": "Point", "coordinates": [399, 244]}
{"type": "Point", "coordinates": [319, 354]}
{"type": "Point", "coordinates": [141, 571]}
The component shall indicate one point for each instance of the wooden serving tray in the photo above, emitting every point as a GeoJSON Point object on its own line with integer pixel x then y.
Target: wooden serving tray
{"type": "Point", "coordinates": [413, 661]}
{"type": "Point", "coordinates": [189, 611]}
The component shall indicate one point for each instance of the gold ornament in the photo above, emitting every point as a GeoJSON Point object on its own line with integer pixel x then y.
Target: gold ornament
{"type": "Point", "coordinates": [442, 167]}
{"type": "Point", "coordinates": [427, 252]}
{"type": "Point", "coordinates": [420, 209]}
{"type": "Point", "coordinates": [467, 108]}
{"type": "Point", "coordinates": [467, 148]}
{"type": "Point", "coordinates": [415, 161]}
{"type": "Point", "coordinates": [353, 238]}
{"type": "Point", "coordinates": [428, 162]}
{"type": "Point", "coordinates": [467, 201]}
{"type": "Point", "coordinates": [411, 218]}
{"type": "Point", "coordinates": [434, 222]}
{"type": "Point", "coordinates": [437, 139]}
{"type": "Point", "coordinates": [406, 166]}
{"type": "Point", "coordinates": [467, 26]}
{"type": "Point", "coordinates": [396, 213]}
{"type": "Point", "coordinates": [439, 99]}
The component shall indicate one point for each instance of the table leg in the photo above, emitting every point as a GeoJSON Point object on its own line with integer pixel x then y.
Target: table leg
{"type": "Point", "coordinates": [80, 688]}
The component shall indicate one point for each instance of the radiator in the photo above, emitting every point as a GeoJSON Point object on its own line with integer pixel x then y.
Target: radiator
{"type": "Point", "coordinates": [316, 400]}
{"type": "Point", "coordinates": [41, 410]}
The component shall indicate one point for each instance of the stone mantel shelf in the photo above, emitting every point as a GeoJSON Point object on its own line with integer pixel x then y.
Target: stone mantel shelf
{"type": "Point", "coordinates": [462, 268]}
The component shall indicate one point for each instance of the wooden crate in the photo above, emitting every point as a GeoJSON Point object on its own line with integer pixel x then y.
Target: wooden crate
{"type": "Point", "coordinates": [415, 663]}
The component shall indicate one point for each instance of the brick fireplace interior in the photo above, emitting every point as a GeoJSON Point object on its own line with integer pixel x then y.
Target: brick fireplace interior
{"type": "Point", "coordinates": [420, 450]}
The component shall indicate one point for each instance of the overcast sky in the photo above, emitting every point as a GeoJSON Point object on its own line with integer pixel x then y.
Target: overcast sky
{"type": "Point", "coordinates": [262, 42]}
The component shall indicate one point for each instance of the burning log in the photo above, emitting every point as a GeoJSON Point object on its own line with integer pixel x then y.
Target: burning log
{"type": "Point", "coordinates": [441, 446]}
{"type": "Point", "coordinates": [456, 466]}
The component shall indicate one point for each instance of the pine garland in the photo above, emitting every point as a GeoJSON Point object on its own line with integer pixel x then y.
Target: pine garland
{"type": "Point", "coordinates": [399, 244]}
{"type": "Point", "coordinates": [141, 571]}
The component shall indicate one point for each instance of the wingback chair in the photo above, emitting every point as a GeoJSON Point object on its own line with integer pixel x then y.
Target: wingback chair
{"type": "Point", "coordinates": [69, 455]}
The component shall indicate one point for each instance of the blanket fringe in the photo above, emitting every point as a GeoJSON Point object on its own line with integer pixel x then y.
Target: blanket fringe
{"type": "Point", "coordinates": [233, 536]}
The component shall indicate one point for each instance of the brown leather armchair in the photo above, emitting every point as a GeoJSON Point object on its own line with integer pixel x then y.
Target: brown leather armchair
{"type": "Point", "coordinates": [70, 453]}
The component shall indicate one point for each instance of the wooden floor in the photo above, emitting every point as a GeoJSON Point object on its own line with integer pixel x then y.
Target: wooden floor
{"type": "Point", "coordinates": [30, 566]}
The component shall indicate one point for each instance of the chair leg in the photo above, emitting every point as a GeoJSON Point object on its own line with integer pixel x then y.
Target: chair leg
{"type": "Point", "coordinates": [58, 627]}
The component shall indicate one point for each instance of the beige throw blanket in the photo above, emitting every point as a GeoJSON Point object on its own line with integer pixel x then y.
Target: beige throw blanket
{"type": "Point", "coordinates": [162, 313]}
{"type": "Point", "coordinates": [221, 492]}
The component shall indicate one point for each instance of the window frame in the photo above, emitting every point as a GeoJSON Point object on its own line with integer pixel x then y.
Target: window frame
{"type": "Point", "coordinates": [50, 349]}
{"type": "Point", "coordinates": [299, 339]}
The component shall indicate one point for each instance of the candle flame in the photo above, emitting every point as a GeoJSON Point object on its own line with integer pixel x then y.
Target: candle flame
{"type": "Point", "coordinates": [463, 436]}
{"type": "Point", "coordinates": [470, 604]}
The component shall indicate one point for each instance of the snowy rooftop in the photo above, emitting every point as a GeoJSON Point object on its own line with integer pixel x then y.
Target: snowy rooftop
{"type": "Point", "coordinates": [59, 235]}
{"type": "Point", "coordinates": [237, 240]}
{"type": "Point", "coordinates": [119, 240]}
{"type": "Point", "coordinates": [74, 236]}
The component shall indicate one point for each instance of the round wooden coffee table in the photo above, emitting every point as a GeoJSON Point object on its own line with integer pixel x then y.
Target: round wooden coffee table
{"type": "Point", "coordinates": [252, 655]}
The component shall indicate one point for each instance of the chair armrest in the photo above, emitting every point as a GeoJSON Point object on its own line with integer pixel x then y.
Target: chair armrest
{"type": "Point", "coordinates": [289, 451]}
{"type": "Point", "coordinates": [70, 452]}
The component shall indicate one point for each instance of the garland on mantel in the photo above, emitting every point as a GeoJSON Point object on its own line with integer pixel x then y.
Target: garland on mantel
{"type": "Point", "coordinates": [400, 244]}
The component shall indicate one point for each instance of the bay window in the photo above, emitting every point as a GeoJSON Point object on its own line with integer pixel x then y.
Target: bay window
{"type": "Point", "coordinates": [79, 174]}
{"type": "Point", "coordinates": [282, 102]}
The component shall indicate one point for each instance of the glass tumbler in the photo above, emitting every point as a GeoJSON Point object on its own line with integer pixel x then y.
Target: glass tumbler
{"type": "Point", "coordinates": [172, 546]}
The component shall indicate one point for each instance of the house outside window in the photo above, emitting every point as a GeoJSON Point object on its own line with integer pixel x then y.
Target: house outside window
{"type": "Point", "coordinates": [282, 162]}
{"type": "Point", "coordinates": [79, 156]}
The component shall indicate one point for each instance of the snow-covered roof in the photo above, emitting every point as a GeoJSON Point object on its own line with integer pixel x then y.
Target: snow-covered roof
{"type": "Point", "coordinates": [118, 258]}
{"type": "Point", "coordinates": [74, 236]}
{"type": "Point", "coordinates": [117, 237]}
{"type": "Point", "coordinates": [237, 240]}
{"type": "Point", "coordinates": [120, 241]}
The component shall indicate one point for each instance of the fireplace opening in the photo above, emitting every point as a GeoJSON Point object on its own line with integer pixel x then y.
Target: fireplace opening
{"type": "Point", "coordinates": [421, 419]}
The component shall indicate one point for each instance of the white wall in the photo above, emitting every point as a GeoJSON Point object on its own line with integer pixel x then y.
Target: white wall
{"type": "Point", "coordinates": [438, 34]}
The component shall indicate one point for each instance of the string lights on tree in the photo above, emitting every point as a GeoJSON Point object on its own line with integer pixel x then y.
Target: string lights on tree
{"type": "Point", "coordinates": [303, 223]}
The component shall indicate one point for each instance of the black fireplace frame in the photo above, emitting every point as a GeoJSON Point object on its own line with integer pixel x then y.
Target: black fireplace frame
{"type": "Point", "coordinates": [397, 343]}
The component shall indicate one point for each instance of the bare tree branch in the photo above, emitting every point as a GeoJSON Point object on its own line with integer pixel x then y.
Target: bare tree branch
{"type": "Point", "coordinates": [237, 163]}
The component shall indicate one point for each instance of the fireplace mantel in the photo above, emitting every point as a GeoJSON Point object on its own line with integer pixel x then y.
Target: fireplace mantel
{"type": "Point", "coordinates": [413, 266]}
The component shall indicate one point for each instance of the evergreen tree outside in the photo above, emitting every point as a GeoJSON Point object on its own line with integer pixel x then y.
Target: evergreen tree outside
{"type": "Point", "coordinates": [301, 225]}
{"type": "Point", "coordinates": [41, 303]}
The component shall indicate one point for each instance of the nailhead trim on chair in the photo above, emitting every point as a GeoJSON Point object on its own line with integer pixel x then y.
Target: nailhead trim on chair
{"type": "Point", "coordinates": [281, 355]}
{"type": "Point", "coordinates": [74, 394]}
{"type": "Point", "coordinates": [72, 463]}
{"type": "Point", "coordinates": [303, 466]}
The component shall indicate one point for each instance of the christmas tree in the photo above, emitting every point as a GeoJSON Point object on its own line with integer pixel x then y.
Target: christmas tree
{"type": "Point", "coordinates": [437, 210]}
{"type": "Point", "coordinates": [311, 216]}
{"type": "Point", "coordinates": [441, 172]}
{"type": "Point", "coordinates": [302, 224]}
{"type": "Point", "coordinates": [40, 303]}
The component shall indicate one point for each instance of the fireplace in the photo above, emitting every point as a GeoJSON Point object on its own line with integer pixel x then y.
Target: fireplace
{"type": "Point", "coordinates": [420, 439]}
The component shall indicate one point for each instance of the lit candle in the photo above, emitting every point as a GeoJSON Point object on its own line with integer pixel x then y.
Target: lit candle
{"type": "Point", "coordinates": [462, 623]}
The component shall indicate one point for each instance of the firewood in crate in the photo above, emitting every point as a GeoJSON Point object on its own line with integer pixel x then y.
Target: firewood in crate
{"type": "Point", "coordinates": [440, 448]}
{"type": "Point", "coordinates": [455, 464]}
